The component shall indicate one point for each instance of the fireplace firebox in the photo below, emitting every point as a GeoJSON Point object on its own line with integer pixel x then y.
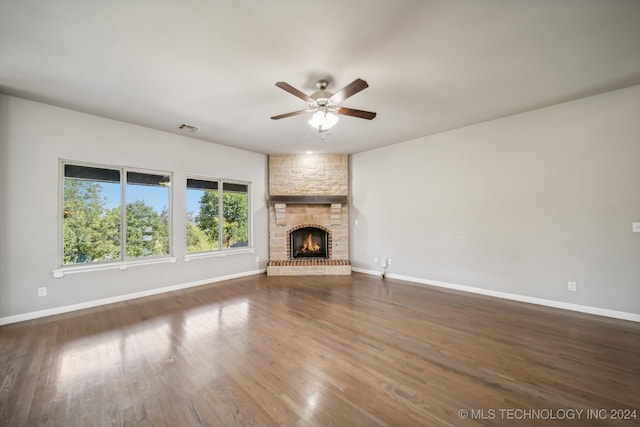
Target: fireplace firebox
{"type": "Point", "coordinates": [309, 242]}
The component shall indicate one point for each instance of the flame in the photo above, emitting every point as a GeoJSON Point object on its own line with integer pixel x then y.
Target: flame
{"type": "Point", "coordinates": [309, 245]}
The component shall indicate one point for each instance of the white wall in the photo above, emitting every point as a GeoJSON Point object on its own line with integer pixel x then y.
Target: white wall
{"type": "Point", "coordinates": [519, 205]}
{"type": "Point", "coordinates": [34, 136]}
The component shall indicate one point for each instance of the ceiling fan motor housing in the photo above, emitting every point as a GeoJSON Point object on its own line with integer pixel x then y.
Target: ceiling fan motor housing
{"type": "Point", "coordinates": [321, 96]}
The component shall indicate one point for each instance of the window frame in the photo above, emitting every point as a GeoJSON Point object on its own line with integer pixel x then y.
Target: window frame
{"type": "Point", "coordinates": [124, 261]}
{"type": "Point", "coordinates": [123, 217]}
{"type": "Point", "coordinates": [221, 251]}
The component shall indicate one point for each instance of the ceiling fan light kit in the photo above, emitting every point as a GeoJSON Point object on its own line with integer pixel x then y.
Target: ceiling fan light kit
{"type": "Point", "coordinates": [323, 119]}
{"type": "Point", "coordinates": [325, 105]}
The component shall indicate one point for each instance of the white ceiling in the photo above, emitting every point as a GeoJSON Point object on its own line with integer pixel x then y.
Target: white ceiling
{"type": "Point", "coordinates": [431, 65]}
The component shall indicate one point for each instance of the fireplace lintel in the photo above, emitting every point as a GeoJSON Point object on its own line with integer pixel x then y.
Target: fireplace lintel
{"type": "Point", "coordinates": [309, 200]}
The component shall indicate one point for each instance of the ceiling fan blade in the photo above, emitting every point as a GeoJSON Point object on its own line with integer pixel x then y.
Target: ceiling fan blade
{"type": "Point", "coordinates": [349, 90]}
{"type": "Point", "coordinates": [356, 113]}
{"type": "Point", "coordinates": [284, 116]}
{"type": "Point", "coordinates": [295, 92]}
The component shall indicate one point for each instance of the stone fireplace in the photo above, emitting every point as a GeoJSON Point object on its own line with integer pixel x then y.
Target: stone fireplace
{"type": "Point", "coordinates": [308, 215]}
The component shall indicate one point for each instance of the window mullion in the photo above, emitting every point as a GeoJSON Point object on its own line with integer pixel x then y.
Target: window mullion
{"type": "Point", "coordinates": [220, 216]}
{"type": "Point", "coordinates": [123, 215]}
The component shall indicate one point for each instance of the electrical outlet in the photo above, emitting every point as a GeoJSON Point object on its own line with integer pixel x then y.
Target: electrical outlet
{"type": "Point", "coordinates": [572, 286]}
{"type": "Point", "coordinates": [388, 261]}
{"type": "Point", "coordinates": [375, 259]}
{"type": "Point", "coordinates": [635, 227]}
{"type": "Point", "coordinates": [257, 259]}
{"type": "Point", "coordinates": [42, 292]}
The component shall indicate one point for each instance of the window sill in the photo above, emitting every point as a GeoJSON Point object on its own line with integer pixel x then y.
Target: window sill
{"type": "Point", "coordinates": [220, 254]}
{"type": "Point", "coordinates": [123, 265]}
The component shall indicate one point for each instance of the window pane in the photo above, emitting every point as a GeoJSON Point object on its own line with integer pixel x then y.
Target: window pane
{"type": "Point", "coordinates": [147, 214]}
{"type": "Point", "coordinates": [91, 214]}
{"type": "Point", "coordinates": [203, 217]}
{"type": "Point", "coordinates": [235, 221]}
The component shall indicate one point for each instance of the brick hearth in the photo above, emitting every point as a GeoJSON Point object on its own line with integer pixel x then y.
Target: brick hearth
{"type": "Point", "coordinates": [309, 262]}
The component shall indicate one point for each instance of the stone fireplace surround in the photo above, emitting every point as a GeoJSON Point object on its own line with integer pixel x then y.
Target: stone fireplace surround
{"type": "Point", "coordinates": [308, 191]}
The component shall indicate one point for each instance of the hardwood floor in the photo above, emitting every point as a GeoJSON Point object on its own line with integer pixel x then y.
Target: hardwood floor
{"type": "Point", "coordinates": [319, 351]}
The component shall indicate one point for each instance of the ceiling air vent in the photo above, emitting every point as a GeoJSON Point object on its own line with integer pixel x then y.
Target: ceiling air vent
{"type": "Point", "coordinates": [188, 128]}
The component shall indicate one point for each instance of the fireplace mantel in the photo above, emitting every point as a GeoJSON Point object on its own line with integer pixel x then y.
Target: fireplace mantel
{"type": "Point", "coordinates": [308, 200]}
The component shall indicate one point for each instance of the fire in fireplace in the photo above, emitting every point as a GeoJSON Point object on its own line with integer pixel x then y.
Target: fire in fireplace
{"type": "Point", "coordinates": [309, 242]}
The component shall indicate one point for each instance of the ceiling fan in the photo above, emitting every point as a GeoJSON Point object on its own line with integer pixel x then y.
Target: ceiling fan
{"type": "Point", "coordinates": [325, 105]}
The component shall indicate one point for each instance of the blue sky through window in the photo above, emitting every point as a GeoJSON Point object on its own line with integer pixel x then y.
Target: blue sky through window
{"type": "Point", "coordinates": [193, 201]}
{"type": "Point", "coordinates": [156, 197]}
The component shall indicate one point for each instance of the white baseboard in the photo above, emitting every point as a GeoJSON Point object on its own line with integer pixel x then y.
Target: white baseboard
{"type": "Point", "coordinates": [365, 271]}
{"type": "Point", "coordinates": [95, 303]}
{"type": "Point", "coordinates": [514, 297]}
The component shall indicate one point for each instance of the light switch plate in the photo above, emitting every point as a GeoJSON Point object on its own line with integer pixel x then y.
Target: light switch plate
{"type": "Point", "coordinates": [635, 226]}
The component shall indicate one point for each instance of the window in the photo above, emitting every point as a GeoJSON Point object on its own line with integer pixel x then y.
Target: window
{"type": "Point", "coordinates": [147, 214]}
{"type": "Point", "coordinates": [235, 215]}
{"type": "Point", "coordinates": [203, 216]}
{"type": "Point", "coordinates": [217, 215]}
{"type": "Point", "coordinates": [91, 214]}
{"type": "Point", "coordinates": [94, 222]}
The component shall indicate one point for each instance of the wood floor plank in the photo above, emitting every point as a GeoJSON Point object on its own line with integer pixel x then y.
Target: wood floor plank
{"type": "Point", "coordinates": [319, 351]}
